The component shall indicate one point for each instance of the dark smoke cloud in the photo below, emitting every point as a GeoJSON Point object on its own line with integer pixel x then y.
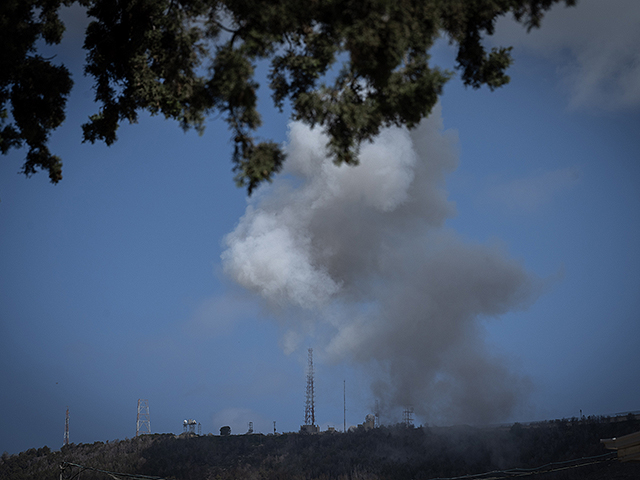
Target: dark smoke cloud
{"type": "Point", "coordinates": [365, 253]}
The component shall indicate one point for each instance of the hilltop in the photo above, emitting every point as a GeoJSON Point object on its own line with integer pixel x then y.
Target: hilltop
{"type": "Point", "coordinates": [388, 452]}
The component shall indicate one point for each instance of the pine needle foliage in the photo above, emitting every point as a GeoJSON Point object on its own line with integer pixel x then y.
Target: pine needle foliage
{"type": "Point", "coordinates": [191, 59]}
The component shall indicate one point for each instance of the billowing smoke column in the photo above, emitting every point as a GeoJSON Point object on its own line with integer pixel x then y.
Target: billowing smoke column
{"type": "Point", "coordinates": [362, 256]}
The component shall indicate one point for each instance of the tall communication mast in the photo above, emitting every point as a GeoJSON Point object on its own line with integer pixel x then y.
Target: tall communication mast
{"type": "Point", "coordinates": [407, 416]}
{"type": "Point", "coordinates": [344, 398]}
{"type": "Point", "coordinates": [143, 421]}
{"type": "Point", "coordinates": [66, 429]}
{"type": "Point", "coordinates": [309, 410]}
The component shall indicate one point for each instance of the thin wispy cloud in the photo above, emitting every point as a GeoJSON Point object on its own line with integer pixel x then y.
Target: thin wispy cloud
{"type": "Point", "coordinates": [531, 193]}
{"type": "Point", "coordinates": [217, 315]}
{"type": "Point", "coordinates": [595, 46]}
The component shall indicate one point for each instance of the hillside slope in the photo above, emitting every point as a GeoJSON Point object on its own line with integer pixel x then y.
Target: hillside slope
{"type": "Point", "coordinates": [384, 453]}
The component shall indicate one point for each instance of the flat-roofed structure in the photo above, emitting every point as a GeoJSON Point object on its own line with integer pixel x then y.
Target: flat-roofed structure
{"type": "Point", "coordinates": [628, 446]}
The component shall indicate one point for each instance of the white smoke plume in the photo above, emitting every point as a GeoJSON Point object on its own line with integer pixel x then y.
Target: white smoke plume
{"type": "Point", "coordinates": [365, 254]}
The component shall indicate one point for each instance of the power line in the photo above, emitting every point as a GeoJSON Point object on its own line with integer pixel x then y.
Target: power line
{"type": "Point", "coordinates": [115, 475]}
{"type": "Point", "coordinates": [523, 472]}
{"type": "Point", "coordinates": [493, 475]}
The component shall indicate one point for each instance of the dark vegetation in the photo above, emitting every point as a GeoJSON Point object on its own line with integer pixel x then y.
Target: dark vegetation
{"type": "Point", "coordinates": [393, 452]}
{"type": "Point", "coordinates": [349, 66]}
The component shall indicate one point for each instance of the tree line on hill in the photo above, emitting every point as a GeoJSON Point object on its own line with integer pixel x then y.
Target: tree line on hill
{"type": "Point", "coordinates": [388, 452]}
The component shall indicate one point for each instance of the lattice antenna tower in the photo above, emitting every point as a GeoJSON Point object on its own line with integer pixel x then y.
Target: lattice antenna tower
{"type": "Point", "coordinates": [143, 421]}
{"type": "Point", "coordinates": [66, 429]}
{"type": "Point", "coordinates": [407, 416]}
{"type": "Point", "coordinates": [309, 410]}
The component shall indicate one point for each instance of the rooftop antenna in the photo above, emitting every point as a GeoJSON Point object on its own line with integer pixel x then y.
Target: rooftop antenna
{"type": "Point", "coordinates": [66, 429]}
{"type": "Point", "coordinates": [143, 421]}
{"type": "Point", "coordinates": [344, 398]}
{"type": "Point", "coordinates": [309, 410]}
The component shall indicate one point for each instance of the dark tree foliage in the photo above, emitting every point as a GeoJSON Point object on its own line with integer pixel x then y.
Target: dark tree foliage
{"type": "Point", "coordinates": [349, 66]}
{"type": "Point", "coordinates": [35, 88]}
{"type": "Point", "coordinates": [385, 453]}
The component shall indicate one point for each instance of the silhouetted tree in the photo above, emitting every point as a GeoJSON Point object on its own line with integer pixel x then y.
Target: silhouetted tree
{"type": "Point", "coordinates": [187, 59]}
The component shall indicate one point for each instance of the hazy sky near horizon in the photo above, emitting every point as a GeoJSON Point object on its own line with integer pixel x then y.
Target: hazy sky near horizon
{"type": "Point", "coordinates": [484, 267]}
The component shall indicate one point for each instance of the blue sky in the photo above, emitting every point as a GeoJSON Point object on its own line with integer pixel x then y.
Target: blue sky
{"type": "Point", "coordinates": [112, 286]}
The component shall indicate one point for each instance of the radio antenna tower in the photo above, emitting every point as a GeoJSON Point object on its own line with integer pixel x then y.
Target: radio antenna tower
{"type": "Point", "coordinates": [309, 410]}
{"type": "Point", "coordinates": [143, 421]}
{"type": "Point", "coordinates": [344, 398]}
{"type": "Point", "coordinates": [407, 416]}
{"type": "Point", "coordinates": [66, 429]}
